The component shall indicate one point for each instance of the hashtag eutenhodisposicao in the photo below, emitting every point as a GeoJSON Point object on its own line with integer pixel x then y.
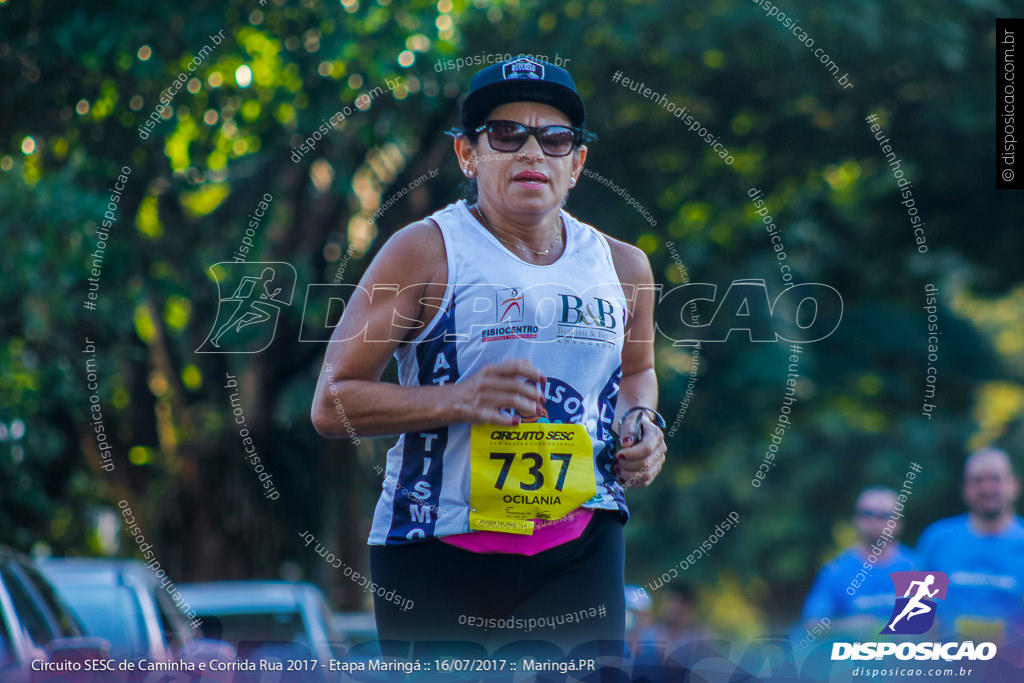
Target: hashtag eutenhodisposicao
{"type": "Point", "coordinates": [527, 624]}
{"type": "Point", "coordinates": [681, 113]}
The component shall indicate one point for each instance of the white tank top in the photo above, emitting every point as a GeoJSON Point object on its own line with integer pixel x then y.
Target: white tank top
{"type": "Point", "coordinates": [567, 318]}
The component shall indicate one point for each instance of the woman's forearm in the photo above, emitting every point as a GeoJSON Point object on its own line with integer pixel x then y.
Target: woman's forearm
{"type": "Point", "coordinates": [637, 389]}
{"type": "Point", "coordinates": [362, 408]}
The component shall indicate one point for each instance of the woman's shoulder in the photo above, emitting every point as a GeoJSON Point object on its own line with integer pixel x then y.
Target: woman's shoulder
{"type": "Point", "coordinates": [631, 263]}
{"type": "Point", "coordinates": [414, 253]}
{"type": "Point", "coordinates": [424, 233]}
{"type": "Point", "coordinates": [423, 238]}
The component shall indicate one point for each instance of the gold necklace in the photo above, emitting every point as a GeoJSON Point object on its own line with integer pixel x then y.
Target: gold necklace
{"type": "Point", "coordinates": [525, 250]}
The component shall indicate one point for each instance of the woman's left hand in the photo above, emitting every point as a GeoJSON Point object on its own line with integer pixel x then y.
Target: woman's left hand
{"type": "Point", "coordinates": [637, 464]}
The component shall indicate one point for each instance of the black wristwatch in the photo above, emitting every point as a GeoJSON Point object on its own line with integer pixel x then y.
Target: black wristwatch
{"type": "Point", "coordinates": [651, 413]}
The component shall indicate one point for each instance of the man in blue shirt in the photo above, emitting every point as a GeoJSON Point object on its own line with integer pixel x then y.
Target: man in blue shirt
{"type": "Point", "coordinates": [982, 552]}
{"type": "Point", "coordinates": [854, 592]}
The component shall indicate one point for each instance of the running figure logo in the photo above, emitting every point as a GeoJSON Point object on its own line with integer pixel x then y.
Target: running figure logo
{"type": "Point", "coordinates": [914, 613]}
{"type": "Point", "coordinates": [510, 304]}
{"type": "Point", "coordinates": [247, 320]}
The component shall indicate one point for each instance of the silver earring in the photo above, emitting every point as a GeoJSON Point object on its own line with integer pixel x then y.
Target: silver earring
{"type": "Point", "coordinates": [572, 181]}
{"type": "Point", "coordinates": [470, 174]}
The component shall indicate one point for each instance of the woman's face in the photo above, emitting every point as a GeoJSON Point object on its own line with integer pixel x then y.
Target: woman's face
{"type": "Point", "coordinates": [528, 181]}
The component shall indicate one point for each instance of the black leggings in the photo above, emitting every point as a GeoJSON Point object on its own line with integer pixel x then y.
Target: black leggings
{"type": "Point", "coordinates": [565, 596]}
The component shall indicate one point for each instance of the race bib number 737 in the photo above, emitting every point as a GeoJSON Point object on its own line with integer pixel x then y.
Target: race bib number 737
{"type": "Point", "coordinates": [531, 471]}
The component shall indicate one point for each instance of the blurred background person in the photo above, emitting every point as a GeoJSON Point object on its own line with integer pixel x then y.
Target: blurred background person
{"type": "Point", "coordinates": [678, 622]}
{"type": "Point", "coordinates": [982, 552]}
{"type": "Point", "coordinates": [638, 613]}
{"type": "Point", "coordinates": [853, 604]}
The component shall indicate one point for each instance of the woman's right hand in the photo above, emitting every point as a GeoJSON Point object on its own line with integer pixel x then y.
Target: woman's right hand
{"type": "Point", "coordinates": [515, 383]}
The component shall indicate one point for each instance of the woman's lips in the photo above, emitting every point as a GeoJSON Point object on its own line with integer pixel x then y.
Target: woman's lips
{"type": "Point", "coordinates": [530, 178]}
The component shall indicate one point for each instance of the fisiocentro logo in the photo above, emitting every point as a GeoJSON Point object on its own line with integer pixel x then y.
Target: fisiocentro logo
{"type": "Point", "coordinates": [914, 614]}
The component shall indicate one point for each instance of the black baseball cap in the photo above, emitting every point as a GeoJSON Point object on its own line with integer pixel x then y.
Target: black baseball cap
{"type": "Point", "coordinates": [517, 80]}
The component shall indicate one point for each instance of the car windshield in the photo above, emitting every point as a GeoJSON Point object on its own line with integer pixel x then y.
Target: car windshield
{"type": "Point", "coordinates": [65, 623]}
{"type": "Point", "coordinates": [113, 613]}
{"type": "Point", "coordinates": [251, 632]}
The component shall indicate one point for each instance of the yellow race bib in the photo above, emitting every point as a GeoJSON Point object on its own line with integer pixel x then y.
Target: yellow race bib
{"type": "Point", "coordinates": [531, 471]}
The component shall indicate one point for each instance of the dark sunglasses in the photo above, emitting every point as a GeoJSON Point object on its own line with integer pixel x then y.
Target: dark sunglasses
{"type": "Point", "coordinates": [510, 136]}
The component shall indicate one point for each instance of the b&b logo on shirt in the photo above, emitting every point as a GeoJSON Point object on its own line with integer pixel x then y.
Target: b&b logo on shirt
{"type": "Point", "coordinates": [916, 593]}
{"type": "Point", "coordinates": [589, 321]}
